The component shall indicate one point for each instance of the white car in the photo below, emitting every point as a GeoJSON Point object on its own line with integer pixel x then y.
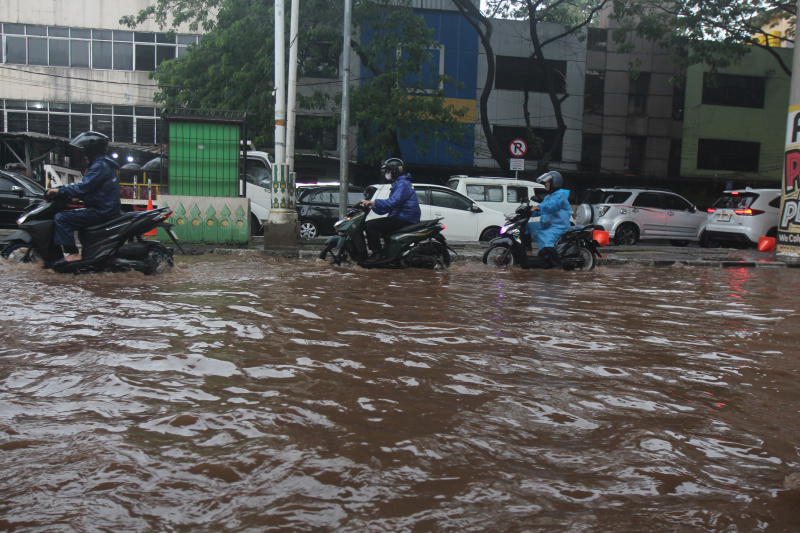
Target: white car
{"type": "Point", "coordinates": [464, 220]}
{"type": "Point", "coordinates": [739, 218]}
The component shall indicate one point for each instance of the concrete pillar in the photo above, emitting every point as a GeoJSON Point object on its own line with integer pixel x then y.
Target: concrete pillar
{"type": "Point", "coordinates": [282, 230]}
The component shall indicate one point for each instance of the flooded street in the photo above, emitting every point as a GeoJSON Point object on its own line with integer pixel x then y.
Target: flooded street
{"type": "Point", "coordinates": [248, 393]}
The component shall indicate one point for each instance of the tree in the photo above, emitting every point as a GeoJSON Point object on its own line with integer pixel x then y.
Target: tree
{"type": "Point", "coordinates": [573, 16]}
{"type": "Point", "coordinates": [713, 32]}
{"type": "Point", "coordinates": [233, 68]}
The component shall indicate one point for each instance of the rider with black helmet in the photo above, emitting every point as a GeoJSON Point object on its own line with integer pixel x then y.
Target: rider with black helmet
{"type": "Point", "coordinates": [99, 190]}
{"type": "Point", "coordinates": [554, 213]}
{"type": "Point", "coordinates": [402, 207]}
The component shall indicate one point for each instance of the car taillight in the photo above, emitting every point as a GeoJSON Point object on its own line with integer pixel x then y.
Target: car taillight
{"type": "Point", "coordinates": [604, 209]}
{"type": "Point", "coordinates": [711, 210]}
{"type": "Point", "coordinates": [748, 212]}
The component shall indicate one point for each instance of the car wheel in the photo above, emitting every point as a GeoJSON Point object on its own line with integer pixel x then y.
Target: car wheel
{"type": "Point", "coordinates": [489, 234]}
{"type": "Point", "coordinates": [256, 228]}
{"type": "Point", "coordinates": [626, 235]}
{"type": "Point", "coordinates": [308, 230]}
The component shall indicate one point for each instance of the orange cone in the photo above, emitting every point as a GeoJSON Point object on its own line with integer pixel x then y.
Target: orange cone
{"type": "Point", "coordinates": [152, 232]}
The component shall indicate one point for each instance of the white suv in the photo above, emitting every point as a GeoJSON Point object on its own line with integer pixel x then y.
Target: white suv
{"type": "Point", "coordinates": [464, 220]}
{"type": "Point", "coordinates": [740, 217]}
{"type": "Point", "coordinates": [630, 215]}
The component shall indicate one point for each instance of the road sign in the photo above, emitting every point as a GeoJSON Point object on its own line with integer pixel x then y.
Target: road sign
{"type": "Point", "coordinates": [518, 148]}
{"type": "Point", "coordinates": [516, 164]}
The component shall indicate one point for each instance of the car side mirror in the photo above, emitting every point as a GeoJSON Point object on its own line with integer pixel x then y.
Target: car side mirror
{"type": "Point", "coordinates": [16, 189]}
{"type": "Point", "coordinates": [476, 209]}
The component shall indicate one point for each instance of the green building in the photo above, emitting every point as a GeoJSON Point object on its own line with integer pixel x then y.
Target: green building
{"type": "Point", "coordinates": [735, 122]}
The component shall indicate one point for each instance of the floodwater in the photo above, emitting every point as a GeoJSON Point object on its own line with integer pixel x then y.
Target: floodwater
{"type": "Point", "coordinates": [248, 393]}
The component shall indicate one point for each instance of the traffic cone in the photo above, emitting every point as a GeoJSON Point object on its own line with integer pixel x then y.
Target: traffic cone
{"type": "Point", "coordinates": [152, 232]}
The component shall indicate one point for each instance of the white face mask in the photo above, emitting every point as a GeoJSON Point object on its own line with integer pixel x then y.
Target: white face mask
{"type": "Point", "coordinates": [388, 175]}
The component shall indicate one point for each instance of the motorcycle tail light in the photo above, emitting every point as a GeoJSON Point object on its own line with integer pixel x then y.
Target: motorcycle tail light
{"type": "Point", "coordinates": [444, 227]}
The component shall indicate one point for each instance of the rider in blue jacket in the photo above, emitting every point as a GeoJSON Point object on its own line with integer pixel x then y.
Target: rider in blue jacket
{"type": "Point", "coordinates": [99, 190]}
{"type": "Point", "coordinates": [554, 217]}
{"type": "Point", "coordinates": [401, 208]}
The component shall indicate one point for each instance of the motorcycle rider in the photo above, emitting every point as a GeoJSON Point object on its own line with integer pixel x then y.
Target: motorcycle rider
{"type": "Point", "coordinates": [99, 190]}
{"type": "Point", "coordinates": [554, 221]}
{"type": "Point", "coordinates": [402, 207]}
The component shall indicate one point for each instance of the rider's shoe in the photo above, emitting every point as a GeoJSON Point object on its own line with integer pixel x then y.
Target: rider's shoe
{"type": "Point", "coordinates": [374, 258]}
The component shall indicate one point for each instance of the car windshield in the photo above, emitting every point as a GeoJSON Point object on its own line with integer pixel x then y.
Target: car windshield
{"type": "Point", "coordinates": [28, 183]}
{"type": "Point", "coordinates": [599, 196]}
{"type": "Point", "coordinates": [735, 201]}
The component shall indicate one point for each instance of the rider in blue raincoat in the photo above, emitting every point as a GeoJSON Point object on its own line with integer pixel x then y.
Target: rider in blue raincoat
{"type": "Point", "coordinates": [554, 221]}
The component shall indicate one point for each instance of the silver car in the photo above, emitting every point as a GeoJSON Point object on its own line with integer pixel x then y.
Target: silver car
{"type": "Point", "coordinates": [631, 215]}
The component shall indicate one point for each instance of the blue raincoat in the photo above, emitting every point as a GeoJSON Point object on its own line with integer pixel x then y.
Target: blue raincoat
{"type": "Point", "coordinates": [402, 202]}
{"type": "Point", "coordinates": [553, 222]}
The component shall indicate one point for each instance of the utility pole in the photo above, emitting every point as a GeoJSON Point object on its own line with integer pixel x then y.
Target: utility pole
{"type": "Point", "coordinates": [344, 148]}
{"type": "Point", "coordinates": [789, 224]}
{"type": "Point", "coordinates": [281, 230]}
{"type": "Point", "coordinates": [291, 119]}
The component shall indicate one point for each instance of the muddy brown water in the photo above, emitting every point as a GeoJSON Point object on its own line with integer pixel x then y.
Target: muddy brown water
{"type": "Point", "coordinates": [267, 394]}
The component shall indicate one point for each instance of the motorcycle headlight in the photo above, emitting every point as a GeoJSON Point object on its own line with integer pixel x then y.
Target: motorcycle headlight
{"type": "Point", "coordinates": [504, 229]}
{"type": "Point", "coordinates": [22, 219]}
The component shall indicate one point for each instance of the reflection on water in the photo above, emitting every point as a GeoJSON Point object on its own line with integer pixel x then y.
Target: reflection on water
{"type": "Point", "coordinates": [258, 394]}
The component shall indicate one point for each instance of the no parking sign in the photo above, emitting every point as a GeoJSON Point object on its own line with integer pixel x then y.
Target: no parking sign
{"type": "Point", "coordinates": [518, 147]}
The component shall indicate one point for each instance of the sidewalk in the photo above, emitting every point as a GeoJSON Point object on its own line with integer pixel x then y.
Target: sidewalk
{"type": "Point", "coordinates": [649, 254]}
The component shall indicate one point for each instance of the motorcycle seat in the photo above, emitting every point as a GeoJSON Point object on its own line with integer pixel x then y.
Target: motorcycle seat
{"type": "Point", "coordinates": [422, 224]}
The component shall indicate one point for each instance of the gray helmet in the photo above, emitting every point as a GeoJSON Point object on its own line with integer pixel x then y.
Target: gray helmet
{"type": "Point", "coordinates": [552, 176]}
{"type": "Point", "coordinates": [395, 166]}
{"type": "Point", "coordinates": [91, 143]}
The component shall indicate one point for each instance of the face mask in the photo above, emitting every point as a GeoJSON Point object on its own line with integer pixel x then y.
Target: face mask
{"type": "Point", "coordinates": [388, 176]}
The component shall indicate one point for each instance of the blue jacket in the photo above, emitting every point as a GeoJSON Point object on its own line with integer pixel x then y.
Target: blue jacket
{"type": "Point", "coordinates": [555, 213]}
{"type": "Point", "coordinates": [402, 202]}
{"type": "Point", "coordinates": [99, 188]}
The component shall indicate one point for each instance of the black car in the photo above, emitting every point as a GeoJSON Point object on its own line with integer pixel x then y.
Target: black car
{"type": "Point", "coordinates": [17, 194]}
{"type": "Point", "coordinates": [318, 208]}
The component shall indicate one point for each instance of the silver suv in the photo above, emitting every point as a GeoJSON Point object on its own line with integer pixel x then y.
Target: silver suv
{"type": "Point", "coordinates": [630, 215]}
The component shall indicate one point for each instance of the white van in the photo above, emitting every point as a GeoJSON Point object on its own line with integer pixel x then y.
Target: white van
{"type": "Point", "coordinates": [501, 194]}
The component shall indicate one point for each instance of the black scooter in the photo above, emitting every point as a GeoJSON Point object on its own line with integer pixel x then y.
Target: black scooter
{"type": "Point", "coordinates": [419, 245]}
{"type": "Point", "coordinates": [114, 246]}
{"type": "Point", "coordinates": [577, 248]}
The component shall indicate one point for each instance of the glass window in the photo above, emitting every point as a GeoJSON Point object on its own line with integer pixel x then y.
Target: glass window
{"type": "Point", "coordinates": [15, 29]}
{"type": "Point", "coordinates": [123, 129]}
{"type": "Point", "coordinates": [648, 199]}
{"type": "Point", "coordinates": [145, 131]}
{"type": "Point", "coordinates": [59, 106]}
{"type": "Point", "coordinates": [79, 54]}
{"type": "Point", "coordinates": [675, 203]}
{"type": "Point", "coordinates": [475, 192]}
{"type": "Point", "coordinates": [102, 123]}
{"type": "Point", "coordinates": [102, 109]}
{"type": "Point", "coordinates": [145, 57]}
{"type": "Point", "coordinates": [102, 35]}
{"type": "Point", "coordinates": [123, 36]}
{"type": "Point", "coordinates": [30, 29]}
{"type": "Point", "coordinates": [37, 51]}
{"type": "Point", "coordinates": [6, 184]}
{"type": "Point", "coordinates": [449, 200]}
{"type": "Point", "coordinates": [77, 33]}
{"type": "Point", "coordinates": [525, 74]}
{"type": "Point", "coordinates": [733, 90]}
{"type": "Point", "coordinates": [17, 121]}
{"type": "Point", "coordinates": [516, 194]}
{"type": "Point", "coordinates": [37, 106]}
{"type": "Point", "coordinates": [123, 56]}
{"type": "Point", "coordinates": [165, 38]}
{"type": "Point", "coordinates": [81, 108]}
{"type": "Point", "coordinates": [422, 197]}
{"type": "Point", "coordinates": [16, 104]}
{"type": "Point", "coordinates": [164, 53]}
{"type": "Point", "coordinates": [187, 39]}
{"type": "Point", "coordinates": [79, 124]}
{"type": "Point", "coordinates": [145, 111]}
{"type": "Point", "coordinates": [53, 31]}
{"type": "Point", "coordinates": [123, 110]}
{"type": "Point", "coordinates": [715, 154]}
{"type": "Point", "coordinates": [59, 52]}
{"type": "Point", "coordinates": [101, 55]}
{"type": "Point", "coordinates": [59, 125]}
{"type": "Point", "coordinates": [334, 198]}
{"type": "Point", "coordinates": [594, 92]}
{"type": "Point", "coordinates": [355, 196]}
{"type": "Point", "coordinates": [144, 37]}
{"type": "Point", "coordinates": [16, 50]}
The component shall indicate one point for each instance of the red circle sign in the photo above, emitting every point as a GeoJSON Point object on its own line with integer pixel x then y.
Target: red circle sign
{"type": "Point", "coordinates": [518, 147]}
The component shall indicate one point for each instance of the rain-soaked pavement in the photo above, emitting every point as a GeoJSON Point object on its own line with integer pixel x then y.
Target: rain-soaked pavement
{"type": "Point", "coordinates": [257, 393]}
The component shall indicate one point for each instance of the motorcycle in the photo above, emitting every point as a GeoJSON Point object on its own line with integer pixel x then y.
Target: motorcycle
{"type": "Point", "coordinates": [114, 246]}
{"type": "Point", "coordinates": [577, 248]}
{"type": "Point", "coordinates": [419, 245]}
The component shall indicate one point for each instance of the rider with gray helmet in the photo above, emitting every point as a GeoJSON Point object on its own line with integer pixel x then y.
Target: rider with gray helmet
{"type": "Point", "coordinates": [554, 213]}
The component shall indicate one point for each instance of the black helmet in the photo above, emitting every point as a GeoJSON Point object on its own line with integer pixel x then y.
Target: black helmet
{"type": "Point", "coordinates": [91, 143]}
{"type": "Point", "coordinates": [394, 166]}
{"type": "Point", "coordinates": [552, 176]}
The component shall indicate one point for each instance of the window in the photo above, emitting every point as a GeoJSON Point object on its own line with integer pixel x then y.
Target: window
{"type": "Point", "coordinates": [675, 203]}
{"type": "Point", "coordinates": [485, 193]}
{"type": "Point", "coordinates": [715, 154]}
{"type": "Point", "coordinates": [59, 52]}
{"type": "Point", "coordinates": [79, 54]}
{"type": "Point", "coordinates": [733, 90]}
{"type": "Point", "coordinates": [648, 199]}
{"type": "Point", "coordinates": [597, 39]}
{"type": "Point", "coordinates": [516, 194]}
{"type": "Point", "coordinates": [422, 196]}
{"type": "Point", "coordinates": [635, 153]}
{"type": "Point", "coordinates": [591, 152]}
{"type": "Point", "coordinates": [16, 50]}
{"type": "Point", "coordinates": [594, 92]}
{"type": "Point", "coordinates": [449, 200]}
{"type": "Point", "coordinates": [5, 184]}
{"type": "Point", "coordinates": [526, 74]}
{"type": "Point", "coordinates": [638, 90]}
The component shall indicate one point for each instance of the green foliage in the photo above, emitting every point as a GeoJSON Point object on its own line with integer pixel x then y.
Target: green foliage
{"type": "Point", "coordinates": [232, 68]}
{"type": "Point", "coordinates": [715, 32]}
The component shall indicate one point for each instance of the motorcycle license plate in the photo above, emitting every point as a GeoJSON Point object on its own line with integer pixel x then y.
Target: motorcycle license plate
{"type": "Point", "coordinates": [724, 218]}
